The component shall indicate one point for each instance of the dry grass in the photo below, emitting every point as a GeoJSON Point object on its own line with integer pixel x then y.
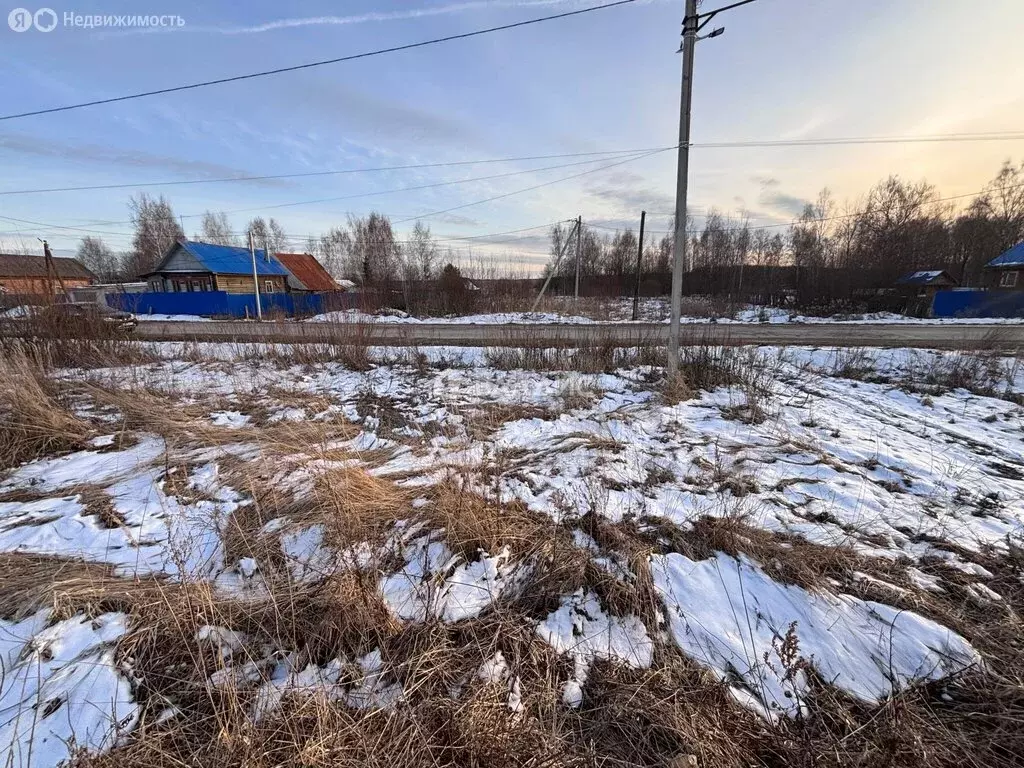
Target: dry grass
{"type": "Point", "coordinates": [449, 718]}
{"type": "Point", "coordinates": [676, 389]}
{"type": "Point", "coordinates": [62, 341]}
{"type": "Point", "coordinates": [473, 523]}
{"type": "Point", "coordinates": [33, 421]}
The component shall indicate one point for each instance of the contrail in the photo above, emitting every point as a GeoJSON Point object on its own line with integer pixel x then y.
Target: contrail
{"type": "Point", "coordinates": [364, 18]}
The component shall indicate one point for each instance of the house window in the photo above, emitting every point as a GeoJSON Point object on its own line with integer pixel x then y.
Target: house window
{"type": "Point", "coordinates": [197, 286]}
{"type": "Point", "coordinates": [1008, 280]}
{"type": "Point", "coordinates": [268, 286]}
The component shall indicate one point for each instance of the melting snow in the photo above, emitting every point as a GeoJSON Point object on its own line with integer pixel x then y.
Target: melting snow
{"type": "Point", "coordinates": [583, 630]}
{"type": "Point", "coordinates": [730, 616]}
{"type": "Point", "coordinates": [60, 689]}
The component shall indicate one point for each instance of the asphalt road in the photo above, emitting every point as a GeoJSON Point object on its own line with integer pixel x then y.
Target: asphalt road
{"type": "Point", "coordinates": [947, 336]}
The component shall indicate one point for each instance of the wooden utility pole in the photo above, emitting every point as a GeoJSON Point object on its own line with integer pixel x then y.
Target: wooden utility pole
{"type": "Point", "coordinates": [554, 269]}
{"type": "Point", "coordinates": [639, 267]}
{"type": "Point", "coordinates": [255, 277]}
{"type": "Point", "coordinates": [579, 251]}
{"type": "Point", "coordinates": [679, 244]}
{"type": "Point", "coordinates": [51, 272]}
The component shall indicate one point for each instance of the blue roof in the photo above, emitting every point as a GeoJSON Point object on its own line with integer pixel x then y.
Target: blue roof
{"type": "Point", "coordinates": [922, 277]}
{"type": "Point", "coordinates": [1012, 258]}
{"type": "Point", "coordinates": [229, 260]}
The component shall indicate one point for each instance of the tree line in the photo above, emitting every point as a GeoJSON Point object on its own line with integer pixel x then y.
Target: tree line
{"type": "Point", "coordinates": [364, 250]}
{"type": "Point", "coordinates": [898, 227]}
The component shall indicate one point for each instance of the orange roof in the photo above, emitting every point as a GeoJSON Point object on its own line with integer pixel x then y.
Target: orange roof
{"type": "Point", "coordinates": [308, 271]}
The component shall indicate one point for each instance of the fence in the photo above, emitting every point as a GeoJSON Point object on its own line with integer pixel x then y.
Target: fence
{"type": "Point", "coordinates": [223, 304]}
{"type": "Point", "coordinates": [974, 303]}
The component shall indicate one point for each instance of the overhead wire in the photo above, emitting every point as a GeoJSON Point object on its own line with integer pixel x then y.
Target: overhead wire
{"type": "Point", "coordinates": [427, 216]}
{"type": "Point", "coordinates": [312, 64]}
{"type": "Point", "coordinates": [313, 174]}
{"type": "Point", "coordinates": [768, 143]}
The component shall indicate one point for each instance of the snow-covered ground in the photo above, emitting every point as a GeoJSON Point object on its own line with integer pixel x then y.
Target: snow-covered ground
{"type": "Point", "coordinates": [650, 311]}
{"type": "Point", "coordinates": [912, 488]}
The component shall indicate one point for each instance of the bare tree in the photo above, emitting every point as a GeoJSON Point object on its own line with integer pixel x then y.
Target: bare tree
{"type": "Point", "coordinates": [216, 228]}
{"type": "Point", "coordinates": [809, 237]}
{"type": "Point", "coordinates": [268, 235]}
{"type": "Point", "coordinates": [375, 256]}
{"type": "Point", "coordinates": [1003, 202]}
{"type": "Point", "coordinates": [156, 231]}
{"type": "Point", "coordinates": [334, 251]}
{"type": "Point", "coordinates": [421, 254]}
{"type": "Point", "coordinates": [99, 259]}
{"type": "Point", "coordinates": [621, 257]}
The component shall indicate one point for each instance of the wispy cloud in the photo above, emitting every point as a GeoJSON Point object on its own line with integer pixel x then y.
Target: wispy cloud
{"type": "Point", "coordinates": [124, 158]}
{"type": "Point", "coordinates": [774, 199]}
{"type": "Point", "coordinates": [383, 16]}
{"type": "Point", "coordinates": [628, 193]}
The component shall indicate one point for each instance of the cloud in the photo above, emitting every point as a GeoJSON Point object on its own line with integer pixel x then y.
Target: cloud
{"type": "Point", "coordinates": [628, 197]}
{"type": "Point", "coordinates": [372, 115]}
{"type": "Point", "coordinates": [125, 158]}
{"type": "Point", "coordinates": [455, 220]}
{"type": "Point", "coordinates": [774, 199]}
{"type": "Point", "coordinates": [382, 16]}
{"type": "Point", "coordinates": [780, 201]}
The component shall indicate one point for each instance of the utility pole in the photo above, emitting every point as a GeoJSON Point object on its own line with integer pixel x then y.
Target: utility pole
{"type": "Point", "coordinates": [554, 269]}
{"type": "Point", "coordinates": [579, 250]}
{"type": "Point", "coordinates": [639, 267]}
{"type": "Point", "coordinates": [255, 277]}
{"type": "Point", "coordinates": [692, 24]}
{"type": "Point", "coordinates": [682, 178]}
{"type": "Point", "coordinates": [51, 272]}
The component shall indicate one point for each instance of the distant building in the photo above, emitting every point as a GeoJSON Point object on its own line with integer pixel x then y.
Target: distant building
{"type": "Point", "coordinates": [926, 282]}
{"type": "Point", "coordinates": [193, 267]}
{"type": "Point", "coordinates": [27, 275]}
{"type": "Point", "coordinates": [306, 274]}
{"type": "Point", "coordinates": [1004, 272]}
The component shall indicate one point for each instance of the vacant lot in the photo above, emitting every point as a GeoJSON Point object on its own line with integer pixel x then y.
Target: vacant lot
{"type": "Point", "coordinates": [258, 555]}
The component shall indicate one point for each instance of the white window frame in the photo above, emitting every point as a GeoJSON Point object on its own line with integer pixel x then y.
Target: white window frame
{"type": "Point", "coordinates": [268, 286]}
{"type": "Point", "coordinates": [1008, 279]}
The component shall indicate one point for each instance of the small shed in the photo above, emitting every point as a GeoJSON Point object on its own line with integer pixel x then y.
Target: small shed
{"type": "Point", "coordinates": [1004, 271]}
{"type": "Point", "coordinates": [926, 282]}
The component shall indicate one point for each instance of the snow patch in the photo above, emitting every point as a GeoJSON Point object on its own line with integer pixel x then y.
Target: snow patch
{"type": "Point", "coordinates": [727, 614]}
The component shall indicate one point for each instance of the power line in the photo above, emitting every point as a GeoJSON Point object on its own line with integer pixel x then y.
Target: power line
{"type": "Point", "coordinates": [291, 239]}
{"type": "Point", "coordinates": [948, 137]}
{"type": "Point", "coordinates": [766, 143]}
{"type": "Point", "coordinates": [311, 174]}
{"type": "Point", "coordinates": [635, 156]}
{"type": "Point", "coordinates": [413, 189]}
{"type": "Point", "coordinates": [795, 222]}
{"type": "Point", "coordinates": [537, 186]}
{"type": "Point", "coordinates": [323, 62]}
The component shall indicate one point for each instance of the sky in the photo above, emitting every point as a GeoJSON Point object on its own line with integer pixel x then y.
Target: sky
{"type": "Point", "coordinates": [600, 82]}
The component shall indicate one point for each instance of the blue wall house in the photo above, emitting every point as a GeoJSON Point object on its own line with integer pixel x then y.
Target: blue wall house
{"type": "Point", "coordinates": [1003, 278]}
{"type": "Point", "coordinates": [193, 267]}
{"type": "Point", "coordinates": [1004, 272]}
